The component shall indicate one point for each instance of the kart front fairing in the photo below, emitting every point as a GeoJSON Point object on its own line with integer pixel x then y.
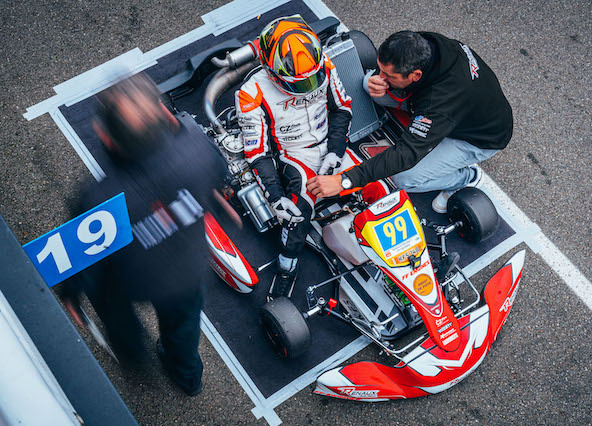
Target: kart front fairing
{"type": "Point", "coordinates": [429, 369]}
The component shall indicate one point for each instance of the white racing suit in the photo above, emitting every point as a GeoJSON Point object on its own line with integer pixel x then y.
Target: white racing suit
{"type": "Point", "coordinates": [286, 138]}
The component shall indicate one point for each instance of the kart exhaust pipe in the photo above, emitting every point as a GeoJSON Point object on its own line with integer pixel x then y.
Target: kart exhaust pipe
{"type": "Point", "coordinates": [223, 80]}
{"type": "Point", "coordinates": [237, 57]}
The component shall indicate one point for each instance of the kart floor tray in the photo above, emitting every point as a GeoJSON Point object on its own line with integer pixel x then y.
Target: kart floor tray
{"type": "Point", "coordinates": [235, 316]}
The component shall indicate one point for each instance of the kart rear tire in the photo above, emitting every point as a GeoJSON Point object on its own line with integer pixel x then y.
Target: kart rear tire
{"type": "Point", "coordinates": [285, 327]}
{"type": "Point", "coordinates": [476, 212]}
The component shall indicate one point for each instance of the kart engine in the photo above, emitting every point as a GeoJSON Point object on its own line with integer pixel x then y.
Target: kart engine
{"type": "Point", "coordinates": [229, 138]}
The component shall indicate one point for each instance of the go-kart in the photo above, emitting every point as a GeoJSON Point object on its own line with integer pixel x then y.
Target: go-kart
{"type": "Point", "coordinates": [387, 280]}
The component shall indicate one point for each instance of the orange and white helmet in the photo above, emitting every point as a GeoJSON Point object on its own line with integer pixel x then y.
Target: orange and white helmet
{"type": "Point", "coordinates": [292, 54]}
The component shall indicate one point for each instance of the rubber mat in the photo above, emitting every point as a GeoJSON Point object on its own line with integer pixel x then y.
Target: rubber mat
{"type": "Point", "coordinates": [234, 315]}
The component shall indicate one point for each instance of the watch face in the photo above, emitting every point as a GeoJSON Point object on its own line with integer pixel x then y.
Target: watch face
{"type": "Point", "coordinates": [345, 182]}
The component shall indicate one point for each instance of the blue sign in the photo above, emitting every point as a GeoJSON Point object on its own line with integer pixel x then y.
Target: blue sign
{"type": "Point", "coordinates": [395, 230]}
{"type": "Point", "coordinates": [84, 240]}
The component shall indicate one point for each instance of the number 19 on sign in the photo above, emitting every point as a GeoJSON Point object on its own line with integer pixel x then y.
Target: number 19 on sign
{"type": "Point", "coordinates": [82, 241]}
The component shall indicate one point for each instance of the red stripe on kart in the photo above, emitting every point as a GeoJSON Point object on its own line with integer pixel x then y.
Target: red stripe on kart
{"type": "Point", "coordinates": [217, 235]}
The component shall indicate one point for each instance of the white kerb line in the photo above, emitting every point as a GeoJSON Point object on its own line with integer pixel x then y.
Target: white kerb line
{"type": "Point", "coordinates": [540, 244]}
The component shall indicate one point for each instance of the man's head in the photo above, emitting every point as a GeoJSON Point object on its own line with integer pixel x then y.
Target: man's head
{"type": "Point", "coordinates": [403, 58]}
{"type": "Point", "coordinates": [133, 119]}
{"type": "Point", "coordinates": [292, 55]}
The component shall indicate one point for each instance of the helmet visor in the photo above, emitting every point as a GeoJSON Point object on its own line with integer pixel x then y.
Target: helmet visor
{"type": "Point", "coordinates": [302, 86]}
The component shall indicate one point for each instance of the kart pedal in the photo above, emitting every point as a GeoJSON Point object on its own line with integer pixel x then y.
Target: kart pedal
{"type": "Point", "coordinates": [311, 299]}
{"type": "Point", "coordinates": [446, 265]}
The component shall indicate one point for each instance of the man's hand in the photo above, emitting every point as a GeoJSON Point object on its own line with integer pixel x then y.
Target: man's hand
{"type": "Point", "coordinates": [324, 186]}
{"type": "Point", "coordinates": [288, 214]}
{"type": "Point", "coordinates": [331, 162]}
{"type": "Point", "coordinates": [377, 86]}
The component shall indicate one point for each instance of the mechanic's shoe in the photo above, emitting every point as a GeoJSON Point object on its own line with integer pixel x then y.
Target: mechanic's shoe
{"type": "Point", "coordinates": [282, 283]}
{"type": "Point", "coordinates": [440, 202]}
{"type": "Point", "coordinates": [190, 390]}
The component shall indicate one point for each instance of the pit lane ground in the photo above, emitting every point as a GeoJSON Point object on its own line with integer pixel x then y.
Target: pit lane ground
{"type": "Point", "coordinates": [538, 372]}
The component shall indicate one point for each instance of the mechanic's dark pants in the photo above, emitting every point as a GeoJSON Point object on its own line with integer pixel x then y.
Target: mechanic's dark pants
{"type": "Point", "coordinates": [293, 175]}
{"type": "Point", "coordinates": [179, 324]}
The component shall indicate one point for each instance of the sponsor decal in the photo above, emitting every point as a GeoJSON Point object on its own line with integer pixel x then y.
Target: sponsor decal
{"type": "Point", "coordinates": [299, 102]}
{"type": "Point", "coordinates": [289, 128]}
{"type": "Point", "coordinates": [509, 301]}
{"type": "Point", "coordinates": [422, 119]}
{"type": "Point", "coordinates": [473, 65]}
{"type": "Point", "coordinates": [450, 339]}
{"type": "Point", "coordinates": [441, 321]}
{"type": "Point", "coordinates": [448, 333]}
{"type": "Point", "coordinates": [321, 124]}
{"type": "Point", "coordinates": [445, 327]}
{"type": "Point", "coordinates": [291, 138]}
{"type": "Point", "coordinates": [164, 222]}
{"type": "Point", "coordinates": [221, 272]}
{"type": "Point", "coordinates": [416, 270]}
{"type": "Point", "coordinates": [403, 257]}
{"type": "Point", "coordinates": [386, 203]}
{"type": "Point", "coordinates": [420, 126]}
{"type": "Point", "coordinates": [353, 392]}
{"type": "Point", "coordinates": [251, 142]}
{"type": "Point", "coordinates": [423, 285]}
{"type": "Point", "coordinates": [417, 132]}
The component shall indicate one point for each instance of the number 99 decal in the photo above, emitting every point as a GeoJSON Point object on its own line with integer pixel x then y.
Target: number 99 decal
{"type": "Point", "coordinates": [395, 230]}
{"type": "Point", "coordinates": [82, 241]}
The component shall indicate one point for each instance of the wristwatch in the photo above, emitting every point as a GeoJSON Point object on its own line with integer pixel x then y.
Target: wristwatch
{"type": "Point", "coordinates": [346, 183]}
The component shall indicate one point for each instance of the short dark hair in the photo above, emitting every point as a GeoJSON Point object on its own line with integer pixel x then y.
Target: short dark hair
{"type": "Point", "coordinates": [407, 51]}
{"type": "Point", "coordinates": [131, 143]}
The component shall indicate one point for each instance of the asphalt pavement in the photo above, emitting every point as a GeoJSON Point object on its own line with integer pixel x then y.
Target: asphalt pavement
{"type": "Point", "coordinates": [538, 372]}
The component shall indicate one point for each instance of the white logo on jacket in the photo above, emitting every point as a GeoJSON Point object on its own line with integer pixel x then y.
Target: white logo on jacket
{"type": "Point", "coordinates": [473, 65]}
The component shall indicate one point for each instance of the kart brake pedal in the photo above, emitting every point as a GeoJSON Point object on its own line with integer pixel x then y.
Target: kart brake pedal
{"type": "Point", "coordinates": [446, 265]}
{"type": "Point", "coordinates": [311, 299]}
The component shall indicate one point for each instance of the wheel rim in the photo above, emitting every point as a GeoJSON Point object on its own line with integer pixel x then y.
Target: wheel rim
{"type": "Point", "coordinates": [273, 335]}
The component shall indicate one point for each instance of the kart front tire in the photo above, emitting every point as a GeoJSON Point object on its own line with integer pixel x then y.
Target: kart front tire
{"type": "Point", "coordinates": [476, 212]}
{"type": "Point", "coordinates": [285, 327]}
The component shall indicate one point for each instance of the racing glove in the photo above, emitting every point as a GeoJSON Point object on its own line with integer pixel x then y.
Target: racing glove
{"type": "Point", "coordinates": [330, 164]}
{"type": "Point", "coordinates": [287, 213]}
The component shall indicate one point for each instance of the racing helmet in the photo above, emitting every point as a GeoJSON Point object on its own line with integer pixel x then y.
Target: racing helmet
{"type": "Point", "coordinates": [292, 55]}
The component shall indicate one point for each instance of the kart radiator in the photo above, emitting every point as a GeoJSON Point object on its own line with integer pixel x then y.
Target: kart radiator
{"type": "Point", "coordinates": [365, 119]}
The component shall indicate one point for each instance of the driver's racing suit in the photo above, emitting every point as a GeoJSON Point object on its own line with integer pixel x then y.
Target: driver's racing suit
{"type": "Point", "coordinates": [286, 138]}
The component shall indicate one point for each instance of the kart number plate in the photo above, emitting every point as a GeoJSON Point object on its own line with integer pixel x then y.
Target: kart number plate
{"type": "Point", "coordinates": [397, 234]}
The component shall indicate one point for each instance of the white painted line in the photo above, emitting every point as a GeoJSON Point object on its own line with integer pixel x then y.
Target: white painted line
{"type": "Point", "coordinates": [177, 43]}
{"type": "Point", "coordinates": [541, 245]}
{"type": "Point", "coordinates": [492, 255]}
{"type": "Point", "coordinates": [90, 82]}
{"type": "Point", "coordinates": [322, 11]}
{"type": "Point", "coordinates": [237, 12]}
{"type": "Point", "coordinates": [81, 149]}
{"type": "Point", "coordinates": [310, 376]}
{"type": "Point", "coordinates": [238, 371]}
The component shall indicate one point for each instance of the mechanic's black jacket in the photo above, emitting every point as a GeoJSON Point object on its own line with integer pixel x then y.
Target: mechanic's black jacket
{"type": "Point", "coordinates": [458, 97]}
{"type": "Point", "coordinates": [165, 192]}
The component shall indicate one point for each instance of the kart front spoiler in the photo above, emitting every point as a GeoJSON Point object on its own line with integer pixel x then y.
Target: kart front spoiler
{"type": "Point", "coordinates": [428, 369]}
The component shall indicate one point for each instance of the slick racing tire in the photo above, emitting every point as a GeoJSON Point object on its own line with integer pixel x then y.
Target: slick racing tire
{"type": "Point", "coordinates": [285, 327]}
{"type": "Point", "coordinates": [476, 212]}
